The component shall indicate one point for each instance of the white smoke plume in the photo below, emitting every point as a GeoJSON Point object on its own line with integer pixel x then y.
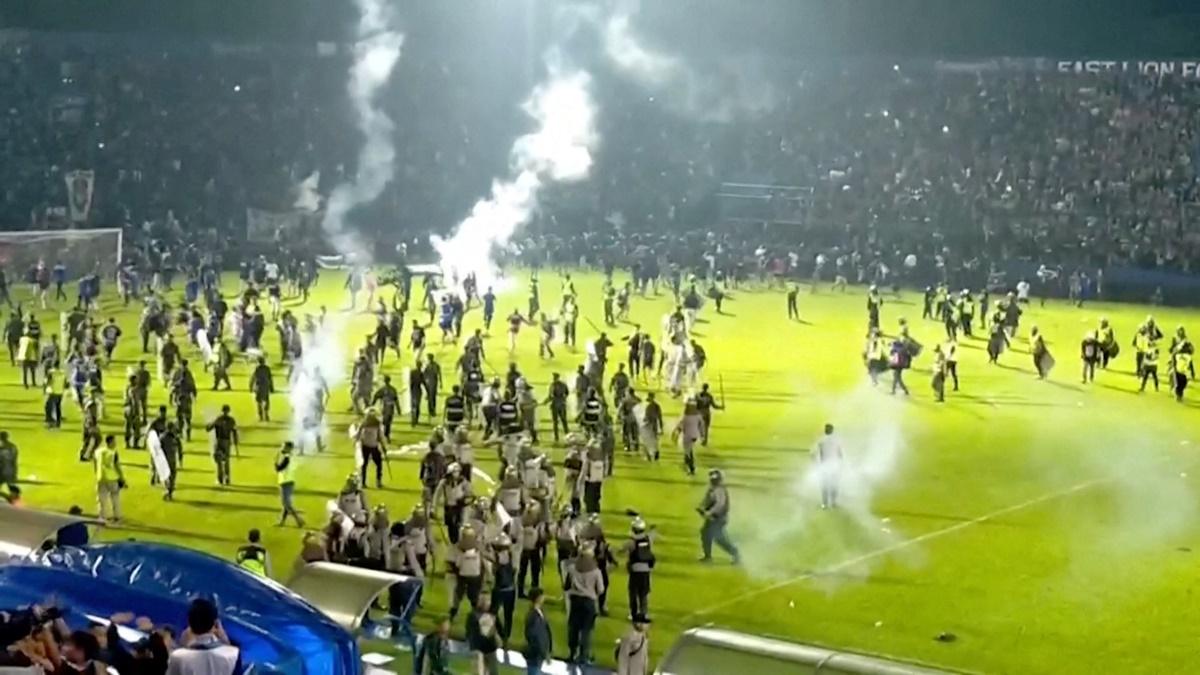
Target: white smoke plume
{"type": "Point", "coordinates": [376, 53]}
{"type": "Point", "coordinates": [874, 450]}
{"type": "Point", "coordinates": [558, 150]}
{"type": "Point", "coordinates": [321, 368]}
{"type": "Point", "coordinates": [733, 86]}
{"type": "Point", "coordinates": [375, 56]}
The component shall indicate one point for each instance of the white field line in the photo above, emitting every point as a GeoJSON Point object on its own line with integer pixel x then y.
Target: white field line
{"type": "Point", "coordinates": [899, 546]}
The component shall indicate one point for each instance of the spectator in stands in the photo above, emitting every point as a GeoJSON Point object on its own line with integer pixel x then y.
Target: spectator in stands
{"type": "Point", "coordinates": [79, 655]}
{"type": "Point", "coordinates": [149, 656]}
{"type": "Point", "coordinates": [204, 648]}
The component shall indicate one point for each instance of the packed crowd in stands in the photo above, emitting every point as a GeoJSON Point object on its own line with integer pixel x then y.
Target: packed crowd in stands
{"type": "Point", "coordinates": [39, 638]}
{"type": "Point", "coordinates": [1067, 169]}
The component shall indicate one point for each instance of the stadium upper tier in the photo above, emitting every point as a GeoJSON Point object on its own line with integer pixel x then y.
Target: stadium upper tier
{"type": "Point", "coordinates": [1095, 169]}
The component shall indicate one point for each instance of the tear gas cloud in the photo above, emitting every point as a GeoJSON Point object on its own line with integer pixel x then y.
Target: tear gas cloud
{"type": "Point", "coordinates": [376, 54]}
{"type": "Point", "coordinates": [770, 525]}
{"type": "Point", "coordinates": [558, 150]}
{"type": "Point", "coordinates": [730, 88]}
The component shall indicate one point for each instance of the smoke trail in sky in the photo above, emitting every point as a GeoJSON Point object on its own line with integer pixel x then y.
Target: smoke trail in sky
{"type": "Point", "coordinates": [558, 150]}
{"type": "Point", "coordinates": [376, 53]}
{"type": "Point", "coordinates": [730, 87]}
{"type": "Point", "coordinates": [375, 56]}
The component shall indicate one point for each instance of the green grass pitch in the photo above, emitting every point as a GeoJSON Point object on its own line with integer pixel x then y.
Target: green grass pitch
{"type": "Point", "coordinates": [1051, 527]}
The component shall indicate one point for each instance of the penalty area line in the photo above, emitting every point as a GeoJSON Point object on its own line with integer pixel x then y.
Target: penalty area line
{"type": "Point", "coordinates": [899, 546]}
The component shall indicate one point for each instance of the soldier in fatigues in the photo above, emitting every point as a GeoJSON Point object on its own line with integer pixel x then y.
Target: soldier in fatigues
{"type": "Point", "coordinates": [91, 429]}
{"type": "Point", "coordinates": [132, 410]}
{"type": "Point", "coordinates": [183, 392]}
{"type": "Point", "coordinates": [387, 399]}
{"type": "Point", "coordinates": [225, 436]}
{"type": "Point", "coordinates": [558, 404]}
{"type": "Point", "coordinates": [222, 359]}
{"type": "Point", "coordinates": [262, 385]}
{"type": "Point", "coordinates": [705, 403]}
{"type": "Point", "coordinates": [715, 511]}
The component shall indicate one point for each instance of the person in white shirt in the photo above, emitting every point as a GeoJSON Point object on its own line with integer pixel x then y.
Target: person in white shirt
{"type": "Point", "coordinates": [204, 647]}
{"type": "Point", "coordinates": [828, 455]}
{"type": "Point", "coordinates": [1023, 292]}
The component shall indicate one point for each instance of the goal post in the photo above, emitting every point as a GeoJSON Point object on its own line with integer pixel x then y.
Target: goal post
{"type": "Point", "coordinates": [82, 252]}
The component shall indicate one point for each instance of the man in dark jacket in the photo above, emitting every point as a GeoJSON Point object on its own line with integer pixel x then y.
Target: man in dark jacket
{"type": "Point", "coordinates": [539, 642]}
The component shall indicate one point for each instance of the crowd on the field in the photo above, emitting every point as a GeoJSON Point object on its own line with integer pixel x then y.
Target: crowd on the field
{"type": "Point", "coordinates": [1076, 170]}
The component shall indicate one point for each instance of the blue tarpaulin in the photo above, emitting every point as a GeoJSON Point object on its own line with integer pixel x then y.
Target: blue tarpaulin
{"type": "Point", "coordinates": [277, 630]}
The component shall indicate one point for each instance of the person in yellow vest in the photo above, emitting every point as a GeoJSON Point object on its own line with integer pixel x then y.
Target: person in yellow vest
{"type": "Point", "coordinates": [875, 356]}
{"type": "Point", "coordinates": [1109, 348]}
{"type": "Point", "coordinates": [110, 480]}
{"type": "Point", "coordinates": [285, 476]}
{"type": "Point", "coordinates": [1182, 363]}
{"type": "Point", "coordinates": [253, 557]}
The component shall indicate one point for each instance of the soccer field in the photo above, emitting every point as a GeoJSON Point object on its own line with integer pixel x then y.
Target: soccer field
{"type": "Point", "coordinates": [1049, 527]}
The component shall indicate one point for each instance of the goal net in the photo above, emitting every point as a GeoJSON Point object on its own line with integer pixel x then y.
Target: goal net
{"type": "Point", "coordinates": [81, 251]}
